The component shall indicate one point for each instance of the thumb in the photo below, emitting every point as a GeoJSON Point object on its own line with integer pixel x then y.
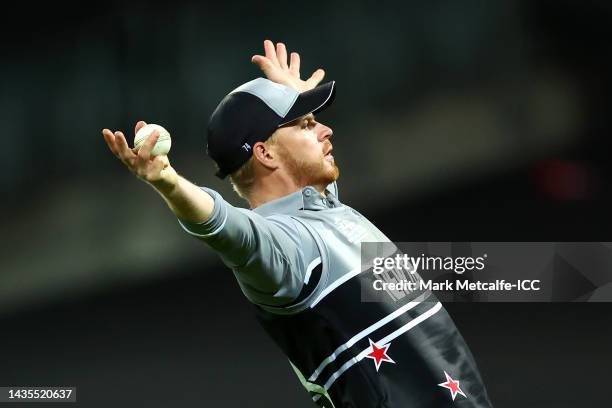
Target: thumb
{"type": "Point", "coordinates": [263, 63]}
{"type": "Point", "coordinates": [159, 164]}
{"type": "Point", "coordinates": [315, 78]}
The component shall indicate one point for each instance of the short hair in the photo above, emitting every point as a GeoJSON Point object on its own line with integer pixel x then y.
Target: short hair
{"type": "Point", "coordinates": [243, 179]}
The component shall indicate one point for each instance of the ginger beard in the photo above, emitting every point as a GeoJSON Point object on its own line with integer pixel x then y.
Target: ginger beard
{"type": "Point", "coordinates": [316, 170]}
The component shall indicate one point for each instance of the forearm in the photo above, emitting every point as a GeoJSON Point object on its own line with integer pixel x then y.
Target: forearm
{"type": "Point", "coordinates": [187, 201]}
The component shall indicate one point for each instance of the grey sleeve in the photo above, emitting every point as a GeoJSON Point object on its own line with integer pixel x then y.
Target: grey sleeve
{"type": "Point", "coordinates": [269, 256]}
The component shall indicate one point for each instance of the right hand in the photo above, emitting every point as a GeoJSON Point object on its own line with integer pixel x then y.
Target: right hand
{"type": "Point", "coordinates": [155, 170]}
{"type": "Point", "coordinates": [274, 66]}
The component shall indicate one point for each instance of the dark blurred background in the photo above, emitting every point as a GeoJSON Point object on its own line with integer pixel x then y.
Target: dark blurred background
{"type": "Point", "coordinates": [472, 120]}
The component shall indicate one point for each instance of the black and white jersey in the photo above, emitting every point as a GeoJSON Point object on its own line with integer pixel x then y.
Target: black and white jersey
{"type": "Point", "coordinates": [402, 350]}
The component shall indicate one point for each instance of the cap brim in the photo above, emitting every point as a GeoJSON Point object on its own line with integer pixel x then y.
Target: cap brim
{"type": "Point", "coordinates": [313, 101]}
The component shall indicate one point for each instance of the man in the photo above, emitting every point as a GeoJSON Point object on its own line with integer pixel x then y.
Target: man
{"type": "Point", "coordinates": [297, 252]}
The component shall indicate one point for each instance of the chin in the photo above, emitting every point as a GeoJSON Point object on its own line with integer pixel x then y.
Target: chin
{"type": "Point", "coordinates": [335, 173]}
{"type": "Point", "coordinates": [317, 173]}
{"type": "Point", "coordinates": [329, 175]}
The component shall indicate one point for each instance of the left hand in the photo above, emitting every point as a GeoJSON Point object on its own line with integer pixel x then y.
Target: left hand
{"type": "Point", "coordinates": [154, 170]}
{"type": "Point", "coordinates": [274, 66]}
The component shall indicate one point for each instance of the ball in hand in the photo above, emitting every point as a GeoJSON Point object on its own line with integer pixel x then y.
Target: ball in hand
{"type": "Point", "coordinates": [164, 142]}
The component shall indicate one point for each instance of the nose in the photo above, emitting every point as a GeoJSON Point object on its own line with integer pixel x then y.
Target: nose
{"type": "Point", "coordinates": [324, 132]}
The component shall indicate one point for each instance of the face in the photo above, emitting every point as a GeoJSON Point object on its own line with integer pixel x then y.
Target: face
{"type": "Point", "coordinates": [305, 150]}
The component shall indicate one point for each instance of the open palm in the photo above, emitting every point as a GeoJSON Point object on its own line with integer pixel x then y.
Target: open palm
{"type": "Point", "coordinates": [274, 65]}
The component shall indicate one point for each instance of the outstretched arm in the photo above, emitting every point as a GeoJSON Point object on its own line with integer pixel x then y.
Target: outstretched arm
{"type": "Point", "coordinates": [186, 200]}
{"type": "Point", "coordinates": [275, 66]}
{"type": "Point", "coordinates": [267, 256]}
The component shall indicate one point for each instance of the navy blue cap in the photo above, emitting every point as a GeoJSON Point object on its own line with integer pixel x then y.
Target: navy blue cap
{"type": "Point", "coordinates": [252, 112]}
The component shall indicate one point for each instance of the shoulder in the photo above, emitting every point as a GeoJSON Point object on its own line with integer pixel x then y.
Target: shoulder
{"type": "Point", "coordinates": [298, 233]}
{"type": "Point", "coordinates": [296, 230]}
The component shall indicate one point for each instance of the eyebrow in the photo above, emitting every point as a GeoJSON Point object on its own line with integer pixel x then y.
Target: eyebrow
{"type": "Point", "coordinates": [308, 117]}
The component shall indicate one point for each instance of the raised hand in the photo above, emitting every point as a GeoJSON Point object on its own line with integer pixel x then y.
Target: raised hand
{"type": "Point", "coordinates": [155, 170]}
{"type": "Point", "coordinates": [274, 66]}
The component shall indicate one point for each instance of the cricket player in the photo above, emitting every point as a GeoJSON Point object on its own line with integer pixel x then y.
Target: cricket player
{"type": "Point", "coordinates": [296, 252]}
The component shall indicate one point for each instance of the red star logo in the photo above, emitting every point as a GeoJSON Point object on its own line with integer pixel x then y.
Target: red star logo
{"type": "Point", "coordinates": [452, 386]}
{"type": "Point", "coordinates": [379, 354]}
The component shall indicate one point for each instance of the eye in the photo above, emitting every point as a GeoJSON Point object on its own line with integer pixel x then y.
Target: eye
{"type": "Point", "coordinates": [308, 124]}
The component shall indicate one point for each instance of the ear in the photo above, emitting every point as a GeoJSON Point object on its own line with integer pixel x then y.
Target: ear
{"type": "Point", "coordinates": [266, 155]}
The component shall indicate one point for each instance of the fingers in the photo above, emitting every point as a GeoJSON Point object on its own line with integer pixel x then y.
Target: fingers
{"type": "Point", "coordinates": [139, 125]}
{"type": "Point", "coordinates": [144, 153]}
{"type": "Point", "coordinates": [117, 144]}
{"type": "Point", "coordinates": [315, 78]}
{"type": "Point", "coordinates": [270, 52]}
{"type": "Point", "coordinates": [109, 138]}
{"type": "Point", "coordinates": [294, 65]}
{"type": "Point", "coordinates": [125, 153]}
{"type": "Point", "coordinates": [264, 64]}
{"type": "Point", "coordinates": [139, 160]}
{"type": "Point", "coordinates": [281, 54]}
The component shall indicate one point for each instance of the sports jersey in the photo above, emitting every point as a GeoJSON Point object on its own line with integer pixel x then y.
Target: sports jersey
{"type": "Point", "coordinates": [298, 259]}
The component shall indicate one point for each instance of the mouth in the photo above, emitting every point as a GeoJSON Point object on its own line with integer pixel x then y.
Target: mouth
{"type": "Point", "coordinates": [328, 156]}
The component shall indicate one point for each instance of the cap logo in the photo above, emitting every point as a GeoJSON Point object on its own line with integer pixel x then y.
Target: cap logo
{"type": "Point", "coordinates": [246, 147]}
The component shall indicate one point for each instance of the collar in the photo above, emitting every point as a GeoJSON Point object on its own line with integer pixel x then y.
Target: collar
{"type": "Point", "coordinates": [307, 198]}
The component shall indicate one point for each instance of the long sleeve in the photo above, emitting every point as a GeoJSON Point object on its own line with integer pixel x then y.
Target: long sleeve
{"type": "Point", "coordinates": [268, 255]}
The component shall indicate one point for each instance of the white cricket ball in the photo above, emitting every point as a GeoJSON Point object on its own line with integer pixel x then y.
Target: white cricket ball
{"type": "Point", "coordinates": [164, 142]}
